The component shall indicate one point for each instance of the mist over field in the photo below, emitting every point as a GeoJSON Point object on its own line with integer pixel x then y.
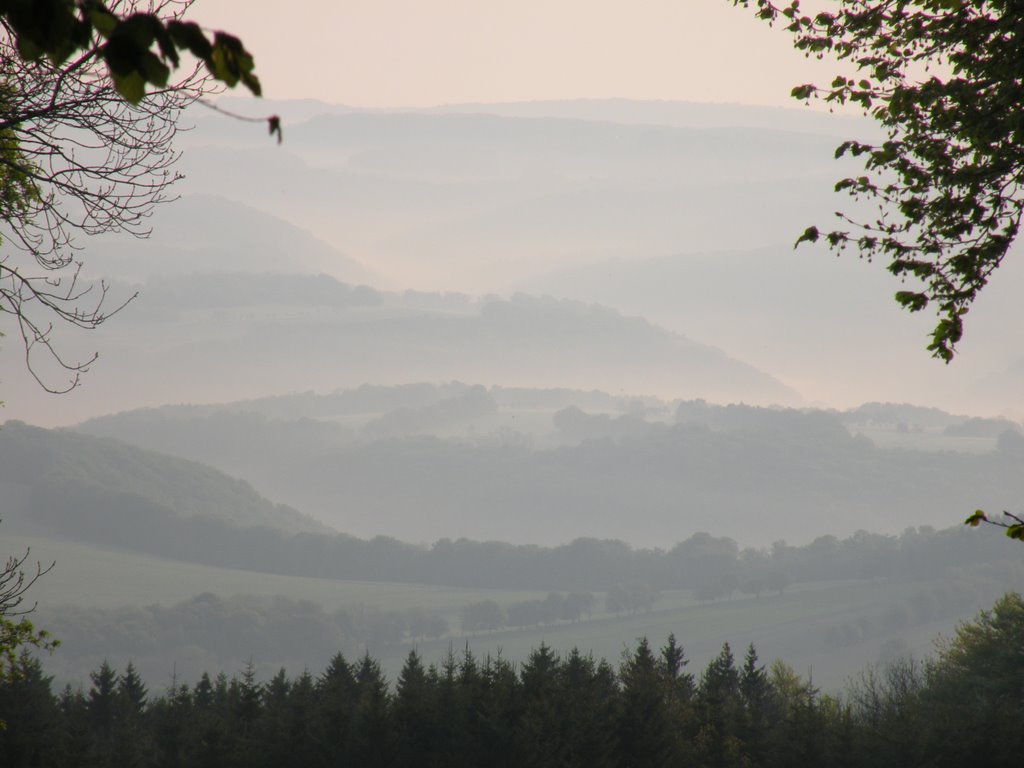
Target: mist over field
{"type": "Point", "coordinates": [504, 374]}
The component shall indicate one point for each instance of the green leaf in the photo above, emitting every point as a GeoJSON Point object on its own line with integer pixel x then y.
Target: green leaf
{"type": "Point", "coordinates": [140, 28]}
{"type": "Point", "coordinates": [103, 21]}
{"type": "Point", "coordinates": [810, 235]}
{"type": "Point", "coordinates": [803, 91]}
{"type": "Point", "coordinates": [912, 300]}
{"type": "Point", "coordinates": [131, 86]}
{"type": "Point", "coordinates": [153, 70]}
{"type": "Point", "coordinates": [976, 519]}
{"type": "Point", "coordinates": [189, 35]}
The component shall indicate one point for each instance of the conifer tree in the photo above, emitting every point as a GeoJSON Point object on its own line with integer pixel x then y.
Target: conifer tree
{"type": "Point", "coordinates": [301, 733]}
{"type": "Point", "coordinates": [501, 713]}
{"type": "Point", "coordinates": [414, 714]}
{"type": "Point", "coordinates": [172, 725]}
{"type": "Point", "coordinates": [30, 716]}
{"type": "Point", "coordinates": [756, 693]}
{"type": "Point", "coordinates": [679, 693]}
{"type": "Point", "coordinates": [645, 726]}
{"type": "Point", "coordinates": [587, 702]}
{"type": "Point", "coordinates": [543, 739]}
{"type": "Point", "coordinates": [75, 740]}
{"type": "Point", "coordinates": [336, 698]}
{"type": "Point", "coordinates": [274, 747]}
{"type": "Point", "coordinates": [371, 735]}
{"type": "Point", "coordinates": [131, 734]}
{"type": "Point", "coordinates": [102, 708]}
{"type": "Point", "coordinates": [720, 712]}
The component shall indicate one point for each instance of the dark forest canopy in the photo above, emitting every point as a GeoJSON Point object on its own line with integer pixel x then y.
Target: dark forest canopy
{"type": "Point", "coordinates": [649, 710]}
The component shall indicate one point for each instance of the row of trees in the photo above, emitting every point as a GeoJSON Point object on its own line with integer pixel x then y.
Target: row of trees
{"type": "Point", "coordinates": [716, 564]}
{"type": "Point", "coordinates": [489, 616]}
{"type": "Point", "coordinates": [547, 711]}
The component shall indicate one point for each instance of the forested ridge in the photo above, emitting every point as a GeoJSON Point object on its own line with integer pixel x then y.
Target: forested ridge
{"type": "Point", "coordinates": [718, 564]}
{"type": "Point", "coordinates": [648, 710]}
{"type": "Point", "coordinates": [488, 464]}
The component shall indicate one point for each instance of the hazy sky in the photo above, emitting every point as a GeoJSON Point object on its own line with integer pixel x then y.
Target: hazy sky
{"type": "Point", "coordinates": [425, 52]}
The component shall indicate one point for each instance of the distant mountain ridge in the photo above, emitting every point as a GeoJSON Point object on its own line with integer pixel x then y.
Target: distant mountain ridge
{"type": "Point", "coordinates": [621, 110]}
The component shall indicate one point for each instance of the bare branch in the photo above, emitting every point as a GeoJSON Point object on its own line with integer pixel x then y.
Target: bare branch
{"type": "Point", "coordinates": [76, 160]}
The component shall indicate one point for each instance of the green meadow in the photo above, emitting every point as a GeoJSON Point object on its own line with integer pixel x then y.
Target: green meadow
{"type": "Point", "coordinates": [791, 626]}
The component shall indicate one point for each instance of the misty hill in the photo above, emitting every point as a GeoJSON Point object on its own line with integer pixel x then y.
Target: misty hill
{"type": "Point", "coordinates": [37, 464]}
{"type": "Point", "coordinates": [681, 114]}
{"type": "Point", "coordinates": [210, 338]}
{"type": "Point", "coordinates": [490, 145]}
{"type": "Point", "coordinates": [829, 325]}
{"type": "Point", "coordinates": [480, 201]}
{"type": "Point", "coordinates": [595, 200]}
{"type": "Point", "coordinates": [202, 234]}
{"type": "Point", "coordinates": [754, 474]}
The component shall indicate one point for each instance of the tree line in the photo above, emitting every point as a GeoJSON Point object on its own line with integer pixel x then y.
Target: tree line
{"type": "Point", "coordinates": [649, 710]}
{"type": "Point", "coordinates": [717, 566]}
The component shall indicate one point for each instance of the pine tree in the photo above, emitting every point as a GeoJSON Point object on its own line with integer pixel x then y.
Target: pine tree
{"type": "Point", "coordinates": [444, 679]}
{"type": "Point", "coordinates": [132, 742]}
{"type": "Point", "coordinates": [371, 733]}
{"type": "Point", "coordinates": [30, 716]}
{"type": "Point", "coordinates": [500, 713]}
{"type": "Point", "coordinates": [719, 711]}
{"type": "Point", "coordinates": [102, 708]}
{"type": "Point", "coordinates": [171, 723]}
{"type": "Point", "coordinates": [301, 736]}
{"type": "Point", "coordinates": [245, 696]}
{"type": "Point", "coordinates": [586, 700]}
{"type": "Point", "coordinates": [209, 741]}
{"type": "Point", "coordinates": [543, 721]}
{"type": "Point", "coordinates": [756, 693]}
{"type": "Point", "coordinates": [75, 740]}
{"type": "Point", "coordinates": [414, 715]}
{"type": "Point", "coordinates": [680, 690]}
{"type": "Point", "coordinates": [645, 727]}
{"type": "Point", "coordinates": [336, 698]}
{"type": "Point", "coordinates": [274, 748]}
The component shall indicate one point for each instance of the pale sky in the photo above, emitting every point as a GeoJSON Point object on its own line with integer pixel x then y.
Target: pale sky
{"type": "Point", "coordinates": [389, 53]}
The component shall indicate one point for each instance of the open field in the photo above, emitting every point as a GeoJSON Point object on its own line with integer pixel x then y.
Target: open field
{"type": "Point", "coordinates": [91, 576]}
{"type": "Point", "coordinates": [790, 626]}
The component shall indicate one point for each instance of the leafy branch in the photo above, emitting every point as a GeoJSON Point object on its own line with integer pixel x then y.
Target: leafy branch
{"type": "Point", "coordinates": [945, 80]}
{"type": "Point", "coordinates": [1013, 524]}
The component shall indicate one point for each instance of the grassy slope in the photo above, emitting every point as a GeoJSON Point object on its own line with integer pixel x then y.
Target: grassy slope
{"type": "Point", "coordinates": [91, 576]}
